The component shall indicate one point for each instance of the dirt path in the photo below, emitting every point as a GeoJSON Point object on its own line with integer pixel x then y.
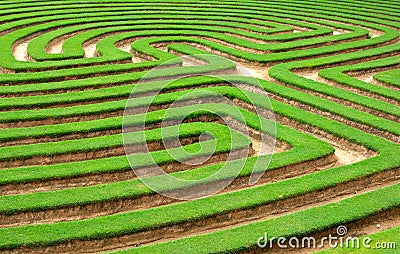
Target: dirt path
{"type": "Point", "coordinates": [345, 153]}
{"type": "Point", "coordinates": [343, 150]}
{"type": "Point", "coordinates": [20, 51]}
{"type": "Point", "coordinates": [239, 217]}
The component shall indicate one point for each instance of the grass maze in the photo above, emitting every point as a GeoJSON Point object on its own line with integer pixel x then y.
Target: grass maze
{"type": "Point", "coordinates": [322, 108]}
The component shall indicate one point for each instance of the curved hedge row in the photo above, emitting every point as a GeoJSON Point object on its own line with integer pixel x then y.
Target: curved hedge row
{"type": "Point", "coordinates": [57, 107]}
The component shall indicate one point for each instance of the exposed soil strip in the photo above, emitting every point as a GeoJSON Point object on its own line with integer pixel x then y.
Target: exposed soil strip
{"type": "Point", "coordinates": [20, 52]}
{"type": "Point", "coordinates": [51, 121]}
{"type": "Point", "coordinates": [218, 222]}
{"type": "Point", "coordinates": [109, 98]}
{"type": "Point", "coordinates": [92, 179]}
{"type": "Point", "coordinates": [234, 218]}
{"type": "Point", "coordinates": [366, 94]}
{"type": "Point", "coordinates": [373, 32]}
{"type": "Point", "coordinates": [71, 136]}
{"type": "Point", "coordinates": [313, 75]}
{"type": "Point", "coordinates": [125, 45]}
{"type": "Point", "coordinates": [344, 148]}
{"type": "Point", "coordinates": [91, 154]}
{"type": "Point", "coordinates": [109, 177]}
{"type": "Point", "coordinates": [20, 47]}
{"type": "Point", "coordinates": [217, 42]}
{"type": "Point", "coordinates": [6, 71]}
{"type": "Point", "coordinates": [268, 64]}
{"type": "Point", "coordinates": [367, 76]}
{"type": "Point", "coordinates": [357, 151]}
{"type": "Point", "coordinates": [346, 153]}
{"type": "Point", "coordinates": [320, 95]}
{"type": "Point", "coordinates": [55, 46]}
{"type": "Point", "coordinates": [363, 127]}
{"type": "Point", "coordinates": [118, 129]}
{"type": "Point", "coordinates": [148, 201]}
{"type": "Point", "coordinates": [95, 40]}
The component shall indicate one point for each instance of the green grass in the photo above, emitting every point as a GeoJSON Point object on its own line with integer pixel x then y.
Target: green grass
{"type": "Point", "coordinates": [389, 77]}
{"type": "Point", "coordinates": [102, 85]}
{"type": "Point", "coordinates": [294, 224]}
{"type": "Point", "coordinates": [338, 74]}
